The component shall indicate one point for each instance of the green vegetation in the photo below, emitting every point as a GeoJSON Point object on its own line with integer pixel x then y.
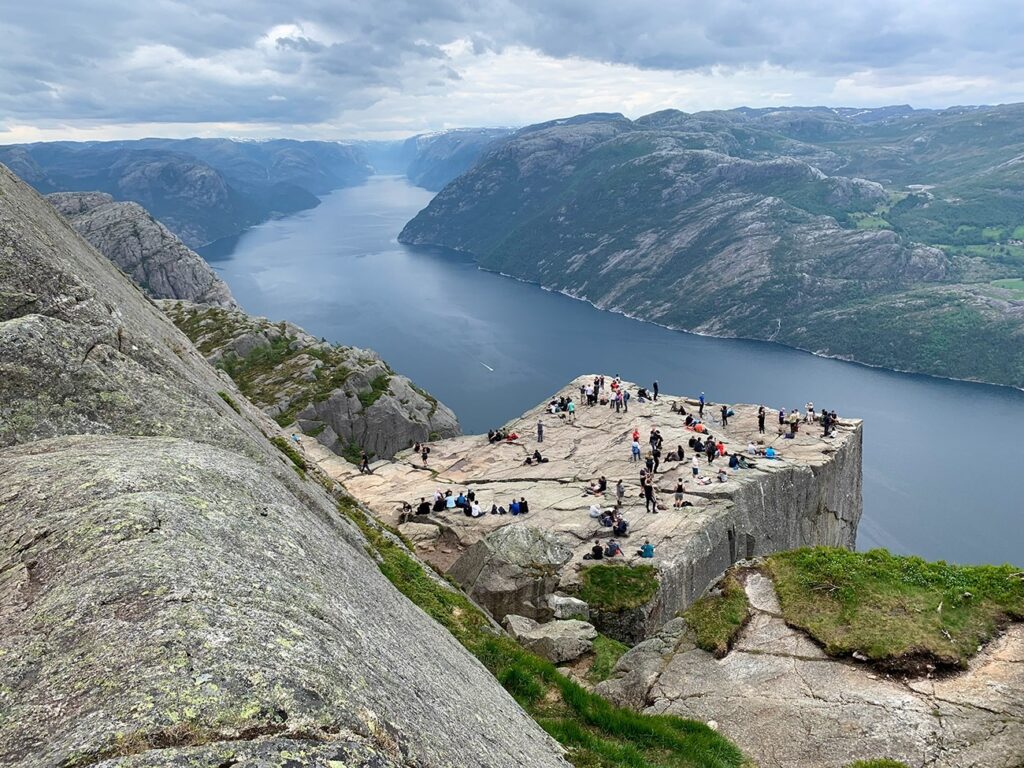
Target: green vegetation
{"type": "Point", "coordinates": [902, 612]}
{"type": "Point", "coordinates": [1014, 284]}
{"type": "Point", "coordinates": [618, 587]}
{"type": "Point", "coordinates": [288, 450]}
{"type": "Point", "coordinates": [229, 400]}
{"type": "Point", "coordinates": [377, 389]}
{"type": "Point", "coordinates": [596, 733]}
{"type": "Point", "coordinates": [717, 619]}
{"type": "Point", "coordinates": [606, 654]}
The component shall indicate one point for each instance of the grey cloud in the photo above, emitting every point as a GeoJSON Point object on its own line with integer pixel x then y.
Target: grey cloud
{"type": "Point", "coordinates": [223, 60]}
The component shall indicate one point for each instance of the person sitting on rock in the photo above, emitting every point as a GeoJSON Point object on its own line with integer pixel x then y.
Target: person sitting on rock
{"type": "Point", "coordinates": [424, 507]}
{"type": "Point", "coordinates": [595, 511]}
{"type": "Point", "coordinates": [613, 549]}
{"type": "Point", "coordinates": [646, 549]}
{"type": "Point", "coordinates": [474, 510]}
{"type": "Point", "coordinates": [606, 520]}
{"type": "Point", "coordinates": [597, 552]}
{"type": "Point", "coordinates": [621, 527]}
{"type": "Point", "coordinates": [524, 507]}
{"type": "Point", "coordinates": [721, 448]}
{"type": "Point", "coordinates": [769, 452]}
{"type": "Point", "coordinates": [449, 500]}
{"type": "Point", "coordinates": [461, 502]}
{"type": "Point", "coordinates": [734, 461]}
{"type": "Point", "coordinates": [513, 507]}
{"type": "Point", "coordinates": [722, 475]}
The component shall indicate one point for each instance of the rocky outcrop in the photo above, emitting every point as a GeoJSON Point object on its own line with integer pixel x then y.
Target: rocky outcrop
{"type": "Point", "coordinates": [162, 265]}
{"type": "Point", "coordinates": [810, 495]}
{"type": "Point", "coordinates": [557, 641]}
{"type": "Point", "coordinates": [513, 570]}
{"type": "Point", "coordinates": [172, 592]}
{"type": "Point", "coordinates": [346, 398]}
{"type": "Point", "coordinates": [788, 705]}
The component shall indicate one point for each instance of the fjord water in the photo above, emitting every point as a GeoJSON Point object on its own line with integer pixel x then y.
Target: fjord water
{"type": "Point", "coordinates": [943, 460]}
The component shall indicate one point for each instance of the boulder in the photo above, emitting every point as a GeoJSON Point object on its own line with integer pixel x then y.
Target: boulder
{"type": "Point", "coordinates": [513, 570]}
{"type": "Point", "coordinates": [557, 641]}
{"type": "Point", "coordinates": [566, 607]}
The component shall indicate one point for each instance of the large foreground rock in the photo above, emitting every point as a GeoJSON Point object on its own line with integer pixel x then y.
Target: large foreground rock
{"type": "Point", "coordinates": [513, 570]}
{"type": "Point", "coordinates": [171, 591]}
{"type": "Point", "coordinates": [151, 254]}
{"type": "Point", "coordinates": [557, 641]}
{"type": "Point", "coordinates": [347, 398]}
{"type": "Point", "coordinates": [788, 705]}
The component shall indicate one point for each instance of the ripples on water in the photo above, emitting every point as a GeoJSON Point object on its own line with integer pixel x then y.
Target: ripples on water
{"type": "Point", "coordinates": [943, 474]}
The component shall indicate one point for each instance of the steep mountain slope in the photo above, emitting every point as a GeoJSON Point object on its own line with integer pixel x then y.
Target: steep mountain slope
{"type": "Point", "coordinates": [437, 158]}
{"type": "Point", "coordinates": [348, 399]}
{"type": "Point", "coordinates": [723, 223]}
{"type": "Point", "coordinates": [171, 591]}
{"type": "Point", "coordinates": [202, 189]}
{"type": "Point", "coordinates": [162, 265]}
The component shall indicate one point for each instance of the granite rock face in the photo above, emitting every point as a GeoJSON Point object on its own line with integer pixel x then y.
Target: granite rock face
{"type": "Point", "coordinates": [345, 397]}
{"type": "Point", "coordinates": [144, 248]}
{"type": "Point", "coordinates": [788, 705]}
{"type": "Point", "coordinates": [172, 592]}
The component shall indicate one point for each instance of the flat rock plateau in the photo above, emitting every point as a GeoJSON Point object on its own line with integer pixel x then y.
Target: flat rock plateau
{"type": "Point", "coordinates": [810, 495]}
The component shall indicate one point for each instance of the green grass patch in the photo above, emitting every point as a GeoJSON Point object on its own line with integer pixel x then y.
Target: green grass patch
{"type": "Point", "coordinates": [869, 221]}
{"type": "Point", "coordinates": [618, 587]}
{"type": "Point", "coordinates": [596, 733]}
{"type": "Point", "coordinates": [717, 619]}
{"type": "Point", "coordinates": [377, 389]}
{"type": "Point", "coordinates": [606, 654]}
{"type": "Point", "coordinates": [285, 447]}
{"type": "Point", "coordinates": [1014, 284]}
{"type": "Point", "coordinates": [902, 612]}
{"type": "Point", "coordinates": [229, 400]}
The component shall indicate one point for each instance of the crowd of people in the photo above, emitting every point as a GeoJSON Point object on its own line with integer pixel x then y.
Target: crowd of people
{"type": "Point", "coordinates": [702, 447]}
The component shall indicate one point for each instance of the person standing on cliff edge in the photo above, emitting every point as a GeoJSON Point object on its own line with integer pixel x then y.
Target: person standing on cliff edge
{"type": "Point", "coordinates": [701, 411]}
{"type": "Point", "coordinates": [655, 388]}
{"type": "Point", "coordinates": [540, 431]}
{"type": "Point", "coordinates": [760, 419]}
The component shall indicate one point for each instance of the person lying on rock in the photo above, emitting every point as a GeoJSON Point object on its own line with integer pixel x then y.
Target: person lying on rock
{"type": "Point", "coordinates": [722, 475]}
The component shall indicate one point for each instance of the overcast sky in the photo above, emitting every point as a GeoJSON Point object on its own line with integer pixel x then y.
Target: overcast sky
{"type": "Point", "coordinates": [96, 69]}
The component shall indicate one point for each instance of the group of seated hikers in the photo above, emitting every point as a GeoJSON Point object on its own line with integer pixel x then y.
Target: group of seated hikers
{"type": "Point", "coordinates": [613, 549]}
{"type": "Point", "coordinates": [467, 502]}
{"type": "Point", "coordinates": [610, 518]}
{"type": "Point", "coordinates": [498, 436]}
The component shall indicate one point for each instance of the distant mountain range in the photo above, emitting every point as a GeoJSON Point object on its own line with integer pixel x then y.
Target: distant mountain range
{"type": "Point", "coordinates": [890, 236]}
{"type": "Point", "coordinates": [206, 189]}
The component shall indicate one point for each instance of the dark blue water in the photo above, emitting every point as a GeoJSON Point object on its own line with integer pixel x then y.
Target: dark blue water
{"type": "Point", "coordinates": [338, 271]}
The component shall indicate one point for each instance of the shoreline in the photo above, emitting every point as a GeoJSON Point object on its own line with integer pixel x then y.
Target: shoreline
{"type": "Point", "coordinates": [823, 356]}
